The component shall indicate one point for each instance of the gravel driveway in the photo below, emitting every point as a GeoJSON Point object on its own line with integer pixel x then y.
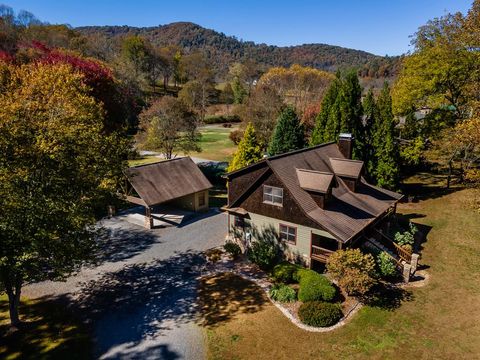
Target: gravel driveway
{"type": "Point", "coordinates": [141, 297]}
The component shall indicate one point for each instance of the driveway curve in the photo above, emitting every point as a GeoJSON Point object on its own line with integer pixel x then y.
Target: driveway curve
{"type": "Point", "coordinates": [141, 296]}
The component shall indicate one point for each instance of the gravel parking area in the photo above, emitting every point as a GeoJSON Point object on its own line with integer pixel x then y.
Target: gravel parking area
{"type": "Point", "coordinates": [141, 298]}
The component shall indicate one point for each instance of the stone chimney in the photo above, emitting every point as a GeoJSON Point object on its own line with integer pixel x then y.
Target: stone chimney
{"type": "Point", "coordinates": [345, 144]}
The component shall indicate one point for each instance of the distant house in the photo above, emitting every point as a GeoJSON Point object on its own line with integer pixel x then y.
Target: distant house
{"type": "Point", "coordinates": [315, 200]}
{"type": "Point", "coordinates": [177, 182]}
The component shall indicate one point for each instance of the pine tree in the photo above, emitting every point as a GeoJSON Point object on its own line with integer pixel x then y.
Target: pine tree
{"type": "Point", "coordinates": [320, 133]}
{"type": "Point", "coordinates": [385, 149]}
{"type": "Point", "coordinates": [351, 113]}
{"type": "Point", "coordinates": [371, 115]}
{"type": "Point", "coordinates": [289, 133]}
{"type": "Point", "coordinates": [341, 112]}
{"type": "Point", "coordinates": [249, 150]}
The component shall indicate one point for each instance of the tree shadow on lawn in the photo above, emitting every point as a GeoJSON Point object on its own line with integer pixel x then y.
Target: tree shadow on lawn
{"type": "Point", "coordinates": [49, 331]}
{"type": "Point", "coordinates": [224, 296]}
{"type": "Point", "coordinates": [387, 296]}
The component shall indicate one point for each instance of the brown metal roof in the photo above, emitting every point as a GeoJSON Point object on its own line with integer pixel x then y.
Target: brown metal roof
{"type": "Point", "coordinates": [346, 167]}
{"type": "Point", "coordinates": [312, 180]}
{"type": "Point", "coordinates": [348, 213]}
{"type": "Point", "coordinates": [167, 180]}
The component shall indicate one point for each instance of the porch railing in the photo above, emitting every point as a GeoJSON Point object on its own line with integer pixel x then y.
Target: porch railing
{"type": "Point", "coordinates": [320, 253]}
{"type": "Point", "coordinates": [392, 246]}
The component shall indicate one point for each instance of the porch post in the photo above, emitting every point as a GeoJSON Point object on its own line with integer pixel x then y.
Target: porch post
{"type": "Point", "coordinates": [148, 218]}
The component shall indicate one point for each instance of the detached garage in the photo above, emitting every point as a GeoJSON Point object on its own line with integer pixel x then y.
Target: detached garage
{"type": "Point", "coordinates": [177, 182]}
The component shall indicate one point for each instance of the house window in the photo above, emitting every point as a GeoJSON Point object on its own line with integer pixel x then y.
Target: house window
{"type": "Point", "coordinates": [239, 221]}
{"type": "Point", "coordinates": [273, 195]}
{"type": "Point", "coordinates": [201, 199]}
{"type": "Point", "coordinates": [288, 233]}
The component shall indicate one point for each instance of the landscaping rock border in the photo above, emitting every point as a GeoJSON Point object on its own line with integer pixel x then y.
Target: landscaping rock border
{"type": "Point", "coordinates": [250, 272]}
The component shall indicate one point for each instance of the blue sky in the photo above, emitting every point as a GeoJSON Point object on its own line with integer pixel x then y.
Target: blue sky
{"type": "Point", "coordinates": [378, 26]}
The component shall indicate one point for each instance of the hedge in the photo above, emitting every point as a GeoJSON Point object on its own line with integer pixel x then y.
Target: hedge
{"type": "Point", "coordinates": [320, 314]}
{"type": "Point", "coordinates": [314, 287]}
{"type": "Point", "coordinates": [285, 272]}
{"type": "Point", "coordinates": [220, 119]}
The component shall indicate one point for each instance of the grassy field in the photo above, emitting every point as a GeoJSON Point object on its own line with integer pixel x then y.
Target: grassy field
{"type": "Point", "coordinates": [51, 333]}
{"type": "Point", "coordinates": [215, 143]}
{"type": "Point", "coordinates": [437, 321]}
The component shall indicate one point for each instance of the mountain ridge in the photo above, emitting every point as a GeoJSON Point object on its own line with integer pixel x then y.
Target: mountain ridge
{"type": "Point", "coordinates": [225, 49]}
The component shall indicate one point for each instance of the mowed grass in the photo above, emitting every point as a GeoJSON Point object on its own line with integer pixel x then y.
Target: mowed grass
{"type": "Point", "coordinates": [437, 321]}
{"type": "Point", "coordinates": [216, 144]}
{"type": "Point", "coordinates": [49, 332]}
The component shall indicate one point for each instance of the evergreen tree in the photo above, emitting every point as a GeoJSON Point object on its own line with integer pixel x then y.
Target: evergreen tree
{"type": "Point", "coordinates": [249, 150]}
{"type": "Point", "coordinates": [385, 149]}
{"type": "Point", "coordinates": [351, 113]}
{"type": "Point", "coordinates": [327, 113]}
{"type": "Point", "coordinates": [341, 112]}
{"type": "Point", "coordinates": [371, 114]}
{"type": "Point", "coordinates": [289, 133]}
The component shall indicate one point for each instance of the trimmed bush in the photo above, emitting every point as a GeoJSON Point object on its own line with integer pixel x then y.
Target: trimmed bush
{"type": "Point", "coordinates": [285, 272]}
{"type": "Point", "coordinates": [354, 271]}
{"type": "Point", "coordinates": [314, 287]}
{"type": "Point", "coordinates": [283, 293]}
{"type": "Point", "coordinates": [320, 314]}
{"type": "Point", "coordinates": [386, 265]}
{"type": "Point", "coordinates": [233, 249]}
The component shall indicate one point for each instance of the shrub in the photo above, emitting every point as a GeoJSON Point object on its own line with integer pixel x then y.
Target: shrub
{"type": "Point", "coordinates": [236, 136]}
{"type": "Point", "coordinates": [314, 287]}
{"type": "Point", "coordinates": [354, 271]}
{"type": "Point", "coordinates": [220, 119]}
{"type": "Point", "coordinates": [320, 314]}
{"type": "Point", "coordinates": [407, 237]}
{"type": "Point", "coordinates": [408, 248]}
{"type": "Point", "coordinates": [283, 293]}
{"type": "Point", "coordinates": [285, 272]}
{"type": "Point", "coordinates": [232, 248]}
{"type": "Point", "coordinates": [263, 253]}
{"type": "Point", "coordinates": [386, 265]}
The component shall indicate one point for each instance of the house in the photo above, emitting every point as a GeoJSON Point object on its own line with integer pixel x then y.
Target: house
{"type": "Point", "coordinates": [315, 200]}
{"type": "Point", "coordinates": [177, 182]}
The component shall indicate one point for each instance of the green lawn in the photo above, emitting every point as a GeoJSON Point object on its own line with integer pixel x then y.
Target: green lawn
{"type": "Point", "coordinates": [216, 144]}
{"type": "Point", "coordinates": [51, 333]}
{"type": "Point", "coordinates": [437, 321]}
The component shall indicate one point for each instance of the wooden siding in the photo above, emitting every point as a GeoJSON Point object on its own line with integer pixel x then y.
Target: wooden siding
{"type": "Point", "coordinates": [239, 184]}
{"type": "Point", "coordinates": [289, 211]}
{"type": "Point", "coordinates": [300, 250]}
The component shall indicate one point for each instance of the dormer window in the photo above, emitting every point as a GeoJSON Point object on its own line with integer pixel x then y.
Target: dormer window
{"type": "Point", "coordinates": [272, 195]}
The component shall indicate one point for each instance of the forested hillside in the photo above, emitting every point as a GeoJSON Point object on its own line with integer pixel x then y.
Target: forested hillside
{"type": "Point", "coordinates": [225, 50]}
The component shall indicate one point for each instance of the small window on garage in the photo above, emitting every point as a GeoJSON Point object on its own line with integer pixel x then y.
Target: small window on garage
{"type": "Point", "coordinates": [201, 199]}
{"type": "Point", "coordinates": [288, 233]}
{"type": "Point", "coordinates": [272, 195]}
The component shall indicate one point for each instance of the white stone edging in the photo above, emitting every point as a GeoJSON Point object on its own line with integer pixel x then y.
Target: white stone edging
{"type": "Point", "coordinates": [265, 286]}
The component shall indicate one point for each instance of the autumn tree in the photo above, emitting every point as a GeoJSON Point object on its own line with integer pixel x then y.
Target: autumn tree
{"type": "Point", "coordinates": [261, 110]}
{"type": "Point", "coordinates": [289, 133]}
{"type": "Point", "coordinates": [248, 152]}
{"type": "Point", "coordinates": [135, 51]}
{"type": "Point", "coordinates": [56, 166]}
{"type": "Point", "coordinates": [170, 127]}
{"type": "Point", "coordinates": [297, 85]}
{"type": "Point", "coordinates": [198, 91]}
